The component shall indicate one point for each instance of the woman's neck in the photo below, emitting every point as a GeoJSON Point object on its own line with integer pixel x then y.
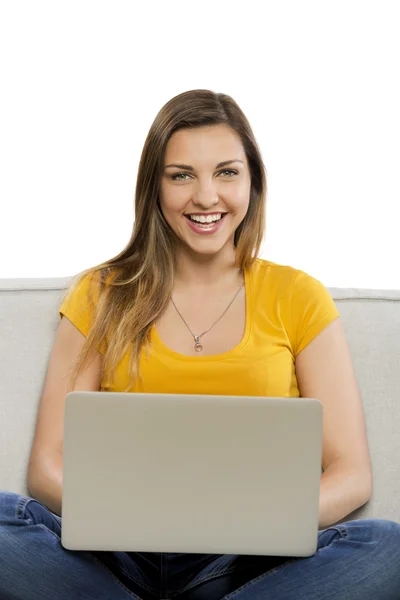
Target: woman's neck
{"type": "Point", "coordinates": [206, 271]}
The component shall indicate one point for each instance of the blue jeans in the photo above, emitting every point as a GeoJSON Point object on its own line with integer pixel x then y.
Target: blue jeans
{"type": "Point", "coordinates": [357, 560]}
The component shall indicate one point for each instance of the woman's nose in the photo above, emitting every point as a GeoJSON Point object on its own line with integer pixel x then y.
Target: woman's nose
{"type": "Point", "coordinates": [205, 199]}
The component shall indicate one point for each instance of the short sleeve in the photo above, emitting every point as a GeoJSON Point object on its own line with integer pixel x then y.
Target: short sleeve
{"type": "Point", "coordinates": [79, 304]}
{"type": "Point", "coordinates": [312, 309]}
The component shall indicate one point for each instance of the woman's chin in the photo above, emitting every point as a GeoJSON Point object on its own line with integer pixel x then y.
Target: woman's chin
{"type": "Point", "coordinates": [207, 247]}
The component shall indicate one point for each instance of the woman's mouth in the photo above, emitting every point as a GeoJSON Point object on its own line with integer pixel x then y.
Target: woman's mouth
{"type": "Point", "coordinates": [205, 223]}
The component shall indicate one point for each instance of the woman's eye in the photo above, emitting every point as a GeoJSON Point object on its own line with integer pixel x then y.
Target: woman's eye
{"type": "Point", "coordinates": [176, 176]}
{"type": "Point", "coordinates": [229, 171]}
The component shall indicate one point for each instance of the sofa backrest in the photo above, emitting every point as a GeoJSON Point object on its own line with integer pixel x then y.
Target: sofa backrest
{"type": "Point", "coordinates": [371, 319]}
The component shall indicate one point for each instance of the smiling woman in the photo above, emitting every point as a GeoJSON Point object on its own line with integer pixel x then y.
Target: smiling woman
{"type": "Point", "coordinates": [205, 193]}
{"type": "Point", "coordinates": [188, 307]}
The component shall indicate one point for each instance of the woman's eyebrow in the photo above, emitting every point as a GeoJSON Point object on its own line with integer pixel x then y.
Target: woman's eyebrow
{"type": "Point", "coordinates": [221, 164]}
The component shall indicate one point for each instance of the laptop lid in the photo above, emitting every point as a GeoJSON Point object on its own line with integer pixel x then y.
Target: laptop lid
{"type": "Point", "coordinates": [191, 473]}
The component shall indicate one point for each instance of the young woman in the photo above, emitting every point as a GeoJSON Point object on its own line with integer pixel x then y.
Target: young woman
{"type": "Point", "coordinates": [187, 307]}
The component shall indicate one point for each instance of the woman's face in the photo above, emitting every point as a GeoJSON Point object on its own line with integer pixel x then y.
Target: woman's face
{"type": "Point", "coordinates": [198, 191]}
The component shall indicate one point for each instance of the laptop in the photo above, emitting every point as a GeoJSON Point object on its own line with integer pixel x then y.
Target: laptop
{"type": "Point", "coordinates": [191, 473]}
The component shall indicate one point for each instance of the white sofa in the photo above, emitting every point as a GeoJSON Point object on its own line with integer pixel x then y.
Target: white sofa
{"type": "Point", "coordinates": [371, 318]}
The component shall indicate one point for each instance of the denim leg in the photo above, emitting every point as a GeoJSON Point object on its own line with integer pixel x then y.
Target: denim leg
{"type": "Point", "coordinates": [355, 560]}
{"type": "Point", "coordinates": [35, 566]}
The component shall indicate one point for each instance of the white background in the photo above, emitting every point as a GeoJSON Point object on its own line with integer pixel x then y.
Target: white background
{"type": "Point", "coordinates": [81, 82]}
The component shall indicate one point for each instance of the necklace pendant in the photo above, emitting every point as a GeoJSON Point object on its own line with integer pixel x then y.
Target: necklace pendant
{"type": "Point", "coordinates": [197, 346]}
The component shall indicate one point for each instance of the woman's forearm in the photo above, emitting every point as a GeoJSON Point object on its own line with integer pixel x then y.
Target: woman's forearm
{"type": "Point", "coordinates": [343, 489]}
{"type": "Point", "coordinates": [45, 482]}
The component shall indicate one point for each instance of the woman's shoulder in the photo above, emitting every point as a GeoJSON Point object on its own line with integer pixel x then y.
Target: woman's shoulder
{"type": "Point", "coordinates": [292, 287]}
{"type": "Point", "coordinates": [285, 275]}
{"type": "Point", "coordinates": [306, 305]}
{"type": "Point", "coordinates": [266, 272]}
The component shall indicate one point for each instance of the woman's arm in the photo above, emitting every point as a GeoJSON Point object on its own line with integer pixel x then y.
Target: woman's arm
{"type": "Point", "coordinates": [343, 489]}
{"type": "Point", "coordinates": [45, 462]}
{"type": "Point", "coordinates": [324, 371]}
{"type": "Point", "coordinates": [45, 481]}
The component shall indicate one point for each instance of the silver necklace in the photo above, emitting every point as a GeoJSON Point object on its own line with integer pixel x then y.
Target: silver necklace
{"type": "Point", "coordinates": [197, 346]}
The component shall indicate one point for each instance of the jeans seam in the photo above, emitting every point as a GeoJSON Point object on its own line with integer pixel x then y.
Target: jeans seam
{"type": "Point", "coordinates": [258, 578]}
{"type": "Point", "coordinates": [53, 533]}
{"type": "Point", "coordinates": [342, 531]}
{"type": "Point", "coordinates": [208, 577]}
{"type": "Point", "coordinates": [131, 594]}
{"type": "Point", "coordinates": [20, 508]}
{"type": "Point", "coordinates": [142, 584]}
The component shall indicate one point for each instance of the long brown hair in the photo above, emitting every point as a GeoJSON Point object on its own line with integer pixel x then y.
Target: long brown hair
{"type": "Point", "coordinates": [134, 288]}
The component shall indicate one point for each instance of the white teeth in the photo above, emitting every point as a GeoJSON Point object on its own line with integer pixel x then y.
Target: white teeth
{"type": "Point", "coordinates": [205, 219]}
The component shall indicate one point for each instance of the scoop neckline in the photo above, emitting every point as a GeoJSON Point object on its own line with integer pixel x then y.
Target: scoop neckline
{"type": "Point", "coordinates": [222, 355]}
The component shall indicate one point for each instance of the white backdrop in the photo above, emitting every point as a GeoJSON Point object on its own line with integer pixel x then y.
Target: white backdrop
{"type": "Point", "coordinates": [81, 82]}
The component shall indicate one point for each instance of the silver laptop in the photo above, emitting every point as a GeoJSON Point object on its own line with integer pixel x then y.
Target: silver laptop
{"type": "Point", "coordinates": [190, 473]}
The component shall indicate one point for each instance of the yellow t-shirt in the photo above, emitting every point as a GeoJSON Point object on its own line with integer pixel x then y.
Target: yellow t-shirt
{"type": "Point", "coordinates": [285, 310]}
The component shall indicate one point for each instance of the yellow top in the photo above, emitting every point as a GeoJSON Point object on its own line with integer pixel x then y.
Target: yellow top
{"type": "Point", "coordinates": [285, 310]}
